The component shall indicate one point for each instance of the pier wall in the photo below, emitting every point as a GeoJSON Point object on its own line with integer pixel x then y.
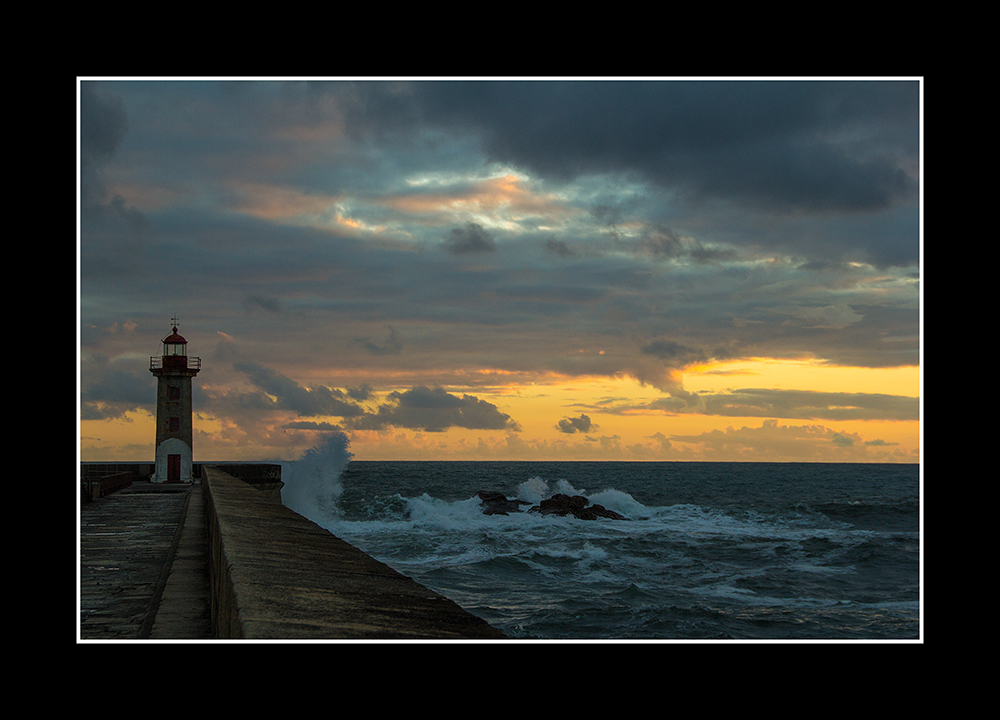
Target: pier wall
{"type": "Point", "coordinates": [275, 574]}
{"type": "Point", "coordinates": [100, 479]}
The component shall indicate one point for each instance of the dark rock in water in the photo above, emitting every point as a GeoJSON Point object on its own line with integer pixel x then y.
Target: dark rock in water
{"type": "Point", "coordinates": [599, 511]}
{"type": "Point", "coordinates": [576, 505]}
{"type": "Point", "coordinates": [560, 504]}
{"type": "Point", "coordinates": [495, 503]}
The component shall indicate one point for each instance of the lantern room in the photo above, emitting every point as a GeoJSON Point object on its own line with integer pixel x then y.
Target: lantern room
{"type": "Point", "coordinates": [174, 344]}
{"type": "Point", "coordinates": [174, 350]}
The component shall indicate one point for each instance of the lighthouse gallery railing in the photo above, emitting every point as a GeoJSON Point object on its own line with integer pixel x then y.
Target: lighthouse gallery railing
{"type": "Point", "coordinates": [156, 362]}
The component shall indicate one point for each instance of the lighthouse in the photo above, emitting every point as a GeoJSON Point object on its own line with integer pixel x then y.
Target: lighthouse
{"type": "Point", "coordinates": [173, 370]}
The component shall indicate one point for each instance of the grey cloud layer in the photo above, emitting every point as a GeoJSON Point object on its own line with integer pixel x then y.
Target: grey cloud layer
{"type": "Point", "coordinates": [798, 145]}
{"type": "Point", "coordinates": [435, 410]}
{"type": "Point", "coordinates": [681, 229]}
{"type": "Point", "coordinates": [420, 408]}
{"type": "Point", "coordinates": [792, 404]}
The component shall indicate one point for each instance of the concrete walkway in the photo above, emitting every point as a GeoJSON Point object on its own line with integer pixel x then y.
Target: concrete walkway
{"type": "Point", "coordinates": [184, 612]}
{"type": "Point", "coordinates": [142, 564]}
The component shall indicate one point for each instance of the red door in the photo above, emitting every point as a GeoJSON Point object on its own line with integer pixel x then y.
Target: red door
{"type": "Point", "coordinates": [173, 468]}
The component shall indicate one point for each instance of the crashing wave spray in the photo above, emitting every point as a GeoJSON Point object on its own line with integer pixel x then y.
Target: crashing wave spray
{"type": "Point", "coordinates": [312, 483]}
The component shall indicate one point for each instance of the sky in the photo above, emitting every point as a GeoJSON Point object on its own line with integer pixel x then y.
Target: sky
{"type": "Point", "coordinates": [505, 269]}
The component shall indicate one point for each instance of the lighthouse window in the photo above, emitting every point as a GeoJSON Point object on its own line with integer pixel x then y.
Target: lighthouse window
{"type": "Point", "coordinates": [175, 424]}
{"type": "Point", "coordinates": [175, 393]}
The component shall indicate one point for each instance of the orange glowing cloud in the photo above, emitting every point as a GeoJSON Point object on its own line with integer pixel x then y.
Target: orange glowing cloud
{"type": "Point", "coordinates": [270, 202]}
{"type": "Point", "coordinates": [507, 192]}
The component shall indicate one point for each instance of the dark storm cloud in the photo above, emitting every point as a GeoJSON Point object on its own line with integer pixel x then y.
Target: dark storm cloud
{"type": "Point", "coordinates": [110, 391]}
{"type": "Point", "coordinates": [292, 396]}
{"type": "Point", "coordinates": [270, 304]}
{"type": "Point", "coordinates": [580, 424]}
{"type": "Point", "coordinates": [558, 247]}
{"type": "Point", "coordinates": [843, 151]}
{"type": "Point", "coordinates": [364, 391]}
{"type": "Point", "coordinates": [789, 146]}
{"type": "Point", "coordinates": [661, 241]}
{"type": "Point", "coordinates": [103, 126]}
{"type": "Point", "coordinates": [675, 355]}
{"type": "Point", "coordinates": [308, 425]}
{"type": "Point", "coordinates": [672, 353]}
{"type": "Point", "coordinates": [435, 410]}
{"type": "Point", "coordinates": [116, 232]}
{"type": "Point", "coordinates": [472, 238]}
{"type": "Point", "coordinates": [390, 346]}
{"type": "Point", "coordinates": [420, 408]}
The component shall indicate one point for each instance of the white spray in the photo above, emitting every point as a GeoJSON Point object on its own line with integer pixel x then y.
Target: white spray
{"type": "Point", "coordinates": [312, 483]}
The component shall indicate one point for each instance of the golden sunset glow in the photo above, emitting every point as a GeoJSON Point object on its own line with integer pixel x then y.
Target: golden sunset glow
{"type": "Point", "coordinates": [803, 374]}
{"type": "Point", "coordinates": [601, 418]}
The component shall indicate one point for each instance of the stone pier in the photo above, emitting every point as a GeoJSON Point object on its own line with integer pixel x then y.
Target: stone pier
{"type": "Point", "coordinates": [221, 560]}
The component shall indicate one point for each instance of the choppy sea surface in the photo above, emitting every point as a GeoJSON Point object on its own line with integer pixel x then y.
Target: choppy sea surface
{"type": "Point", "coordinates": [706, 551]}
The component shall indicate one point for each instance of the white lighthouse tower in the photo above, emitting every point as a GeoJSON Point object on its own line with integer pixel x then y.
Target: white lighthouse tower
{"type": "Point", "coordinates": [173, 370]}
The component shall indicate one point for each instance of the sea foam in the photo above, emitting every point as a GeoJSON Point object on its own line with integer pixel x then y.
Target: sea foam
{"type": "Point", "coordinates": [312, 485]}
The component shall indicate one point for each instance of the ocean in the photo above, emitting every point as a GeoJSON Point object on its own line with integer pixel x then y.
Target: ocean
{"type": "Point", "coordinates": [703, 552]}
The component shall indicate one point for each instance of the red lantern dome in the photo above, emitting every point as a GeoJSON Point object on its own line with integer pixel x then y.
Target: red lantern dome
{"type": "Point", "coordinates": [174, 339]}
